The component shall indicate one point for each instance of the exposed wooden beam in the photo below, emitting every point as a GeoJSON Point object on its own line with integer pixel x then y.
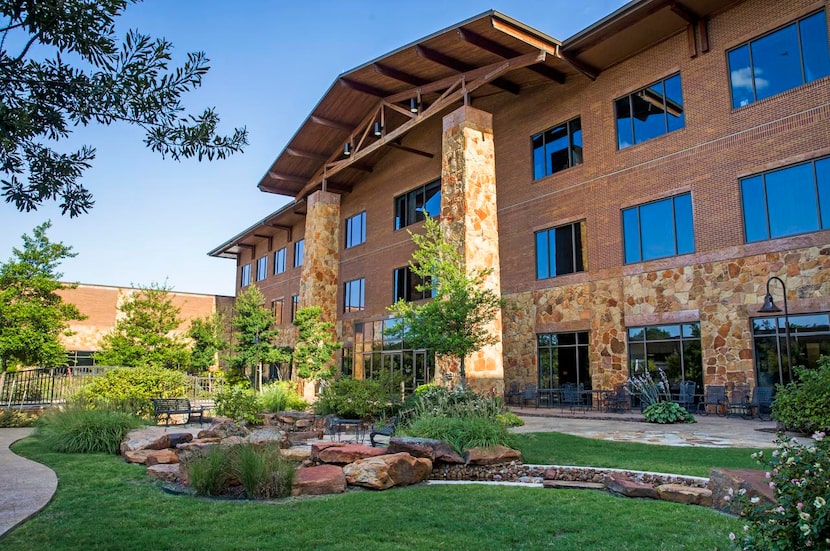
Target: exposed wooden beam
{"type": "Point", "coordinates": [363, 167]}
{"type": "Point", "coordinates": [363, 88]}
{"type": "Point", "coordinates": [703, 29]}
{"type": "Point", "coordinates": [402, 147]}
{"type": "Point", "coordinates": [337, 187]}
{"type": "Point", "coordinates": [455, 88]}
{"type": "Point", "coordinates": [507, 53]}
{"type": "Point", "coordinates": [461, 67]}
{"type": "Point", "coordinates": [286, 229]}
{"type": "Point", "coordinates": [251, 248]}
{"type": "Point", "coordinates": [287, 177]}
{"type": "Point", "coordinates": [588, 70]}
{"type": "Point", "coordinates": [270, 239]}
{"type": "Point", "coordinates": [330, 123]}
{"type": "Point", "coordinates": [306, 154]}
{"type": "Point", "coordinates": [684, 12]}
{"type": "Point", "coordinates": [393, 73]}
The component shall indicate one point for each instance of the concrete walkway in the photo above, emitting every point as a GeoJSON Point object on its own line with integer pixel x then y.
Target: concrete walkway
{"type": "Point", "coordinates": [25, 486]}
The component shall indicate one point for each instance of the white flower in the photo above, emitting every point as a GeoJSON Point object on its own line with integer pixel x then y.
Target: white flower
{"type": "Point", "coordinates": [819, 502]}
{"type": "Point", "coordinates": [732, 536]}
{"type": "Point", "coordinates": [755, 499]}
{"type": "Point", "coordinates": [805, 528]}
{"type": "Point", "coordinates": [804, 516]}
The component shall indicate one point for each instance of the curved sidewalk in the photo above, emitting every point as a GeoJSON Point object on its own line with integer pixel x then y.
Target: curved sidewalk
{"type": "Point", "coordinates": [27, 486]}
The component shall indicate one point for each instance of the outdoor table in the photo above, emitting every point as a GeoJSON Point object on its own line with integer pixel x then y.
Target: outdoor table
{"type": "Point", "coordinates": [595, 399]}
{"type": "Point", "coordinates": [339, 426]}
{"type": "Point", "coordinates": [547, 397]}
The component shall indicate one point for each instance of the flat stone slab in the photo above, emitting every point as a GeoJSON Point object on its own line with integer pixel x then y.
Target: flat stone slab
{"type": "Point", "coordinates": [324, 479]}
{"type": "Point", "coordinates": [686, 495]}
{"type": "Point", "coordinates": [344, 454]}
{"type": "Point", "coordinates": [167, 472]}
{"type": "Point", "coordinates": [573, 485]}
{"type": "Point", "coordinates": [630, 488]}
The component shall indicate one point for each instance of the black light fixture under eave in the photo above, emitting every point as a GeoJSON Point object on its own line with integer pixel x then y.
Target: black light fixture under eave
{"type": "Point", "coordinates": [413, 105]}
{"type": "Point", "coordinates": [347, 149]}
{"type": "Point", "coordinates": [377, 129]}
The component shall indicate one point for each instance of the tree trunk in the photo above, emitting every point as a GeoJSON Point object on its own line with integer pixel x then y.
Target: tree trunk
{"type": "Point", "coordinates": [463, 375]}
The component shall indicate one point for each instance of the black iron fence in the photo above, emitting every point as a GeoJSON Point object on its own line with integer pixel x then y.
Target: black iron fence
{"type": "Point", "coordinates": [53, 385]}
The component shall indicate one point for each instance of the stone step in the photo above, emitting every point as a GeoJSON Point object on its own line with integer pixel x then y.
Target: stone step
{"type": "Point", "coordinates": [573, 485]}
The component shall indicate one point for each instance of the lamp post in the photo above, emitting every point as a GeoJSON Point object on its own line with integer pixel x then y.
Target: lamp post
{"type": "Point", "coordinates": [769, 307]}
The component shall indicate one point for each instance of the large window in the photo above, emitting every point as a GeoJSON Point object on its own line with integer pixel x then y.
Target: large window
{"type": "Point", "coordinates": [650, 112]}
{"type": "Point", "coordinates": [411, 207]}
{"type": "Point", "coordinates": [778, 61]}
{"type": "Point", "coordinates": [406, 284]}
{"type": "Point", "coordinates": [245, 277]}
{"type": "Point", "coordinates": [295, 305]}
{"type": "Point", "coordinates": [787, 201]}
{"type": "Point", "coordinates": [354, 298]}
{"type": "Point", "coordinates": [279, 261]}
{"type": "Point", "coordinates": [659, 229]}
{"type": "Point", "coordinates": [356, 230]}
{"type": "Point", "coordinates": [557, 148]}
{"type": "Point", "coordinates": [809, 340]}
{"type": "Point", "coordinates": [389, 359]}
{"type": "Point", "coordinates": [277, 306]}
{"type": "Point", "coordinates": [559, 251]}
{"type": "Point", "coordinates": [673, 348]}
{"type": "Point", "coordinates": [299, 250]}
{"type": "Point", "coordinates": [563, 359]}
{"type": "Point", "coordinates": [262, 268]}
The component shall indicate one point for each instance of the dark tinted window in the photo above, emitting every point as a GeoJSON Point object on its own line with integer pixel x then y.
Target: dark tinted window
{"type": "Point", "coordinates": [659, 229]}
{"type": "Point", "coordinates": [649, 112]}
{"type": "Point", "coordinates": [353, 296]}
{"type": "Point", "coordinates": [411, 207]}
{"type": "Point", "coordinates": [559, 251]}
{"type": "Point", "coordinates": [356, 230]}
{"type": "Point", "coordinates": [557, 148]}
{"type": "Point", "coordinates": [279, 261]}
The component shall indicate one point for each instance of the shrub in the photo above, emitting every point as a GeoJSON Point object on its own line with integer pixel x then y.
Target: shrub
{"type": "Point", "coordinates": [79, 430]}
{"type": "Point", "coordinates": [800, 518]}
{"type": "Point", "coordinates": [667, 413]}
{"type": "Point", "coordinates": [240, 403]}
{"type": "Point", "coordinates": [438, 401]}
{"type": "Point", "coordinates": [282, 396]}
{"type": "Point", "coordinates": [209, 471]}
{"type": "Point", "coordinates": [133, 387]}
{"type": "Point", "coordinates": [353, 399]}
{"type": "Point", "coordinates": [260, 470]}
{"type": "Point", "coordinates": [509, 419]}
{"type": "Point", "coordinates": [263, 471]}
{"type": "Point", "coordinates": [462, 433]}
{"type": "Point", "coordinates": [804, 404]}
{"type": "Point", "coordinates": [10, 418]}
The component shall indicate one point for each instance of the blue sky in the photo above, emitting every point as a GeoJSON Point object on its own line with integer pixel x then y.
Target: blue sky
{"type": "Point", "coordinates": [154, 220]}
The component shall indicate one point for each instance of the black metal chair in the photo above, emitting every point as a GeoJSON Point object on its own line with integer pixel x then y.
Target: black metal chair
{"type": "Point", "coordinates": [512, 395]}
{"type": "Point", "coordinates": [761, 402]}
{"type": "Point", "coordinates": [572, 397]}
{"type": "Point", "coordinates": [715, 396]}
{"type": "Point", "coordinates": [529, 394]}
{"type": "Point", "coordinates": [687, 395]}
{"type": "Point", "coordinates": [739, 401]}
{"type": "Point", "coordinates": [619, 400]}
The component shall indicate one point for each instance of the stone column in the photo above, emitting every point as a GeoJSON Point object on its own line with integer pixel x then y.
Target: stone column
{"type": "Point", "coordinates": [469, 219]}
{"type": "Point", "coordinates": [318, 278]}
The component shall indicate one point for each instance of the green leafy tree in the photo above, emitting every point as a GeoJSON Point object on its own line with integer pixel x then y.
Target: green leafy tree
{"type": "Point", "coordinates": [454, 323]}
{"type": "Point", "coordinates": [208, 334]}
{"type": "Point", "coordinates": [43, 97]}
{"type": "Point", "coordinates": [254, 336]}
{"type": "Point", "coordinates": [32, 314]}
{"type": "Point", "coordinates": [144, 336]}
{"type": "Point", "coordinates": [315, 344]}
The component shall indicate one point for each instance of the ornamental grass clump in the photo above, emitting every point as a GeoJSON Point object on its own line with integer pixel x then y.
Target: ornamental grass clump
{"type": "Point", "coordinates": [250, 470]}
{"type": "Point", "coordinates": [79, 430]}
{"type": "Point", "coordinates": [656, 397]}
{"type": "Point", "coordinates": [282, 396]}
{"type": "Point", "coordinates": [462, 433]}
{"type": "Point", "coordinates": [799, 475]}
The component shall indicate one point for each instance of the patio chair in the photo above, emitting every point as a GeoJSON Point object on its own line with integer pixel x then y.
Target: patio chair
{"type": "Point", "coordinates": [529, 394]}
{"type": "Point", "coordinates": [761, 402]}
{"type": "Point", "coordinates": [573, 397]}
{"type": "Point", "coordinates": [714, 396]}
{"type": "Point", "coordinates": [619, 400]}
{"type": "Point", "coordinates": [512, 395]}
{"type": "Point", "coordinates": [739, 401]}
{"type": "Point", "coordinates": [687, 394]}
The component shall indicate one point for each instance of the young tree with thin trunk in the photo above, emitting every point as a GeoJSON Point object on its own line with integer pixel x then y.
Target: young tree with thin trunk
{"type": "Point", "coordinates": [254, 335]}
{"type": "Point", "coordinates": [315, 345]}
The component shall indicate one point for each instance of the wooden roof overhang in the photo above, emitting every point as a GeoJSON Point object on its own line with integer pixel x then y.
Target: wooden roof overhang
{"type": "Point", "coordinates": [487, 54]}
{"type": "Point", "coordinates": [280, 221]}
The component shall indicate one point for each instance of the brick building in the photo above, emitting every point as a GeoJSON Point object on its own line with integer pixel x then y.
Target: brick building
{"type": "Point", "coordinates": [634, 187]}
{"type": "Point", "coordinates": [100, 303]}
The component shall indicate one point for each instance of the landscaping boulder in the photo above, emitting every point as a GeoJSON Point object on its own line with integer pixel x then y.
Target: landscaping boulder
{"type": "Point", "coordinates": [198, 444]}
{"type": "Point", "coordinates": [687, 495]}
{"type": "Point", "coordinates": [323, 479]}
{"type": "Point", "coordinates": [347, 453]}
{"type": "Point", "coordinates": [168, 472]}
{"type": "Point", "coordinates": [302, 436]}
{"type": "Point", "coordinates": [727, 483]}
{"type": "Point", "coordinates": [266, 435]}
{"type": "Point", "coordinates": [176, 438]}
{"type": "Point", "coordinates": [162, 457]}
{"type": "Point", "coordinates": [385, 471]}
{"type": "Point", "coordinates": [222, 427]}
{"type": "Point", "coordinates": [296, 453]}
{"type": "Point", "coordinates": [624, 486]}
{"type": "Point", "coordinates": [436, 451]}
{"type": "Point", "coordinates": [491, 455]}
{"type": "Point", "coordinates": [317, 447]}
{"type": "Point", "coordinates": [146, 438]}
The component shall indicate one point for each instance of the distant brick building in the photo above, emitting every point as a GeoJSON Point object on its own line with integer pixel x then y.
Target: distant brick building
{"type": "Point", "coordinates": [100, 304]}
{"type": "Point", "coordinates": [633, 186]}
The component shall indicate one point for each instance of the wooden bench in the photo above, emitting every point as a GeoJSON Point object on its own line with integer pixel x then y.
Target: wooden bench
{"type": "Point", "coordinates": [386, 430]}
{"type": "Point", "coordinates": [167, 407]}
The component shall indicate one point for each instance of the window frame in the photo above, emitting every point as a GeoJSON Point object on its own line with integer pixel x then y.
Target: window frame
{"type": "Point", "coordinates": [277, 309]}
{"type": "Point", "coordinates": [682, 339]}
{"type": "Point", "coordinates": [299, 252]}
{"type": "Point", "coordinates": [295, 305]}
{"type": "Point", "coordinates": [581, 354]}
{"type": "Point", "coordinates": [672, 199]}
{"type": "Point", "coordinates": [348, 307]}
{"type": "Point", "coordinates": [408, 286]}
{"type": "Point", "coordinates": [402, 208]}
{"type": "Point", "coordinates": [571, 148]}
{"type": "Point", "coordinates": [578, 253]}
{"type": "Point", "coordinates": [245, 275]}
{"type": "Point", "coordinates": [801, 51]}
{"type": "Point", "coordinates": [262, 268]}
{"type": "Point", "coordinates": [631, 117]}
{"type": "Point", "coordinates": [350, 239]}
{"type": "Point", "coordinates": [280, 257]}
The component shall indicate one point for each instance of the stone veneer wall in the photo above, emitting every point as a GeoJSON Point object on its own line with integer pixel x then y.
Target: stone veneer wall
{"type": "Point", "coordinates": [318, 278]}
{"type": "Point", "coordinates": [722, 295]}
{"type": "Point", "coordinates": [469, 219]}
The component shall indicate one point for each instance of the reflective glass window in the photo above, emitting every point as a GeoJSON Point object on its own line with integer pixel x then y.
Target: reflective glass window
{"type": "Point", "coordinates": [658, 229]}
{"type": "Point", "coordinates": [559, 251]}
{"type": "Point", "coordinates": [650, 112]}
{"type": "Point", "coordinates": [557, 148]}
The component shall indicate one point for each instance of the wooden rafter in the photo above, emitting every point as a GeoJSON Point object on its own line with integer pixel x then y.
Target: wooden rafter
{"type": "Point", "coordinates": [306, 154]}
{"type": "Point", "coordinates": [691, 18]}
{"type": "Point", "coordinates": [270, 239]}
{"type": "Point", "coordinates": [461, 67]}
{"type": "Point", "coordinates": [507, 53]}
{"type": "Point", "coordinates": [588, 70]}
{"type": "Point", "coordinates": [287, 229]}
{"type": "Point", "coordinates": [330, 123]}
{"type": "Point", "coordinates": [398, 145]}
{"type": "Point", "coordinates": [393, 73]}
{"type": "Point", "coordinates": [286, 177]}
{"type": "Point", "coordinates": [454, 88]}
{"type": "Point", "coordinates": [363, 88]}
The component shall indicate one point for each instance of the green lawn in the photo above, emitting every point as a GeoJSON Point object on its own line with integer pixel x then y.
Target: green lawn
{"type": "Point", "coordinates": [553, 448]}
{"type": "Point", "coordinates": [104, 503]}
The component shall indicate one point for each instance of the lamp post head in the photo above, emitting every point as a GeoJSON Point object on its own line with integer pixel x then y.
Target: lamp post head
{"type": "Point", "coordinates": [769, 306]}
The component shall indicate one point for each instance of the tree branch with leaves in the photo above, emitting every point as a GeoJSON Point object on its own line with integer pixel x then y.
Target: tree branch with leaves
{"type": "Point", "coordinates": [255, 336]}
